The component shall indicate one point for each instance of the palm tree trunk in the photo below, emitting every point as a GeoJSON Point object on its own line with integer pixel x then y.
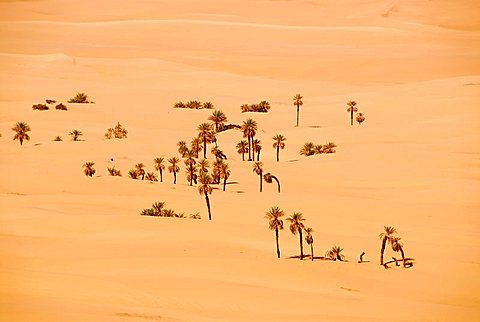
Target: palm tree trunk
{"type": "Point", "coordinates": [278, 182]}
{"type": "Point", "coordinates": [403, 255]}
{"type": "Point", "coordinates": [278, 153]}
{"type": "Point", "coordinates": [311, 247]}
{"type": "Point", "coordinates": [278, 246]}
{"type": "Point", "coordinates": [208, 206]}
{"type": "Point", "coordinates": [351, 117]}
{"type": "Point", "coordinates": [301, 243]}
{"type": "Point", "coordinates": [204, 146]}
{"type": "Point", "coordinates": [161, 178]}
{"type": "Point", "coordinates": [21, 141]}
{"type": "Point", "coordinates": [243, 156]}
{"type": "Point", "coordinates": [224, 183]}
{"type": "Point", "coordinates": [249, 149]}
{"type": "Point", "coordinates": [261, 181]}
{"type": "Point", "coordinates": [258, 155]}
{"type": "Point", "coordinates": [191, 175]}
{"type": "Point", "coordinates": [174, 177]}
{"type": "Point", "coordinates": [384, 242]}
{"type": "Point", "coordinates": [298, 112]}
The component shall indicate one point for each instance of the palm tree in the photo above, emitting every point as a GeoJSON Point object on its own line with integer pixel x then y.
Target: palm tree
{"type": "Point", "coordinates": [196, 146]}
{"type": "Point", "coordinates": [193, 104]}
{"type": "Point", "coordinates": [218, 118]}
{"type": "Point", "coordinates": [308, 149]}
{"type": "Point", "coordinates": [275, 223]}
{"type": "Point", "coordinates": [207, 105]}
{"type": "Point", "coordinates": [159, 167]}
{"type": "Point", "coordinates": [352, 109]}
{"type": "Point", "coordinates": [182, 148]}
{"type": "Point", "coordinates": [158, 207]}
{"type": "Point", "coordinates": [89, 170]}
{"type": "Point", "coordinates": [224, 173]}
{"type": "Point", "coordinates": [192, 174]}
{"type": "Point", "coordinates": [386, 236]}
{"type": "Point", "coordinates": [279, 144]}
{"type": "Point", "coordinates": [249, 128]}
{"type": "Point", "coordinates": [360, 118]}
{"type": "Point", "coordinates": [133, 173]}
{"type": "Point", "coordinates": [21, 130]}
{"type": "Point", "coordinates": [257, 147]}
{"type": "Point", "coordinates": [398, 247]}
{"type": "Point", "coordinates": [203, 165]}
{"type": "Point", "coordinates": [75, 134]}
{"type": "Point", "coordinates": [218, 153]}
{"type": "Point", "coordinates": [297, 101]}
{"type": "Point", "coordinates": [329, 147]}
{"type": "Point", "coordinates": [242, 148]}
{"type": "Point", "coordinates": [217, 165]}
{"type": "Point", "coordinates": [174, 168]}
{"type": "Point", "coordinates": [263, 106]}
{"type": "Point", "coordinates": [319, 149]}
{"type": "Point", "coordinates": [257, 168]}
{"type": "Point", "coordinates": [309, 240]}
{"type": "Point", "coordinates": [179, 105]}
{"type": "Point", "coordinates": [139, 168]}
{"type": "Point", "coordinates": [268, 178]}
{"type": "Point", "coordinates": [150, 176]}
{"type": "Point", "coordinates": [245, 108]}
{"type": "Point", "coordinates": [206, 189]}
{"type": "Point", "coordinates": [335, 253]}
{"type": "Point", "coordinates": [296, 225]}
{"type": "Point", "coordinates": [206, 133]}
{"type": "Point", "coordinates": [191, 168]}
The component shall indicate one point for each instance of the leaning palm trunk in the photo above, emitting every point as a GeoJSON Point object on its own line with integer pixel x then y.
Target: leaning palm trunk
{"type": "Point", "coordinates": [403, 255]}
{"type": "Point", "coordinates": [208, 206]}
{"type": "Point", "coordinates": [301, 243]}
{"type": "Point", "coordinates": [384, 243]}
{"type": "Point", "coordinates": [278, 183]}
{"type": "Point", "coordinates": [278, 245]}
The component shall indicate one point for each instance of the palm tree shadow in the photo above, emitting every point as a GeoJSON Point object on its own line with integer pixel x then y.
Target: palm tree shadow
{"type": "Point", "coordinates": [315, 126]}
{"type": "Point", "coordinates": [309, 257]}
{"type": "Point", "coordinates": [293, 160]}
{"type": "Point", "coordinates": [409, 262]}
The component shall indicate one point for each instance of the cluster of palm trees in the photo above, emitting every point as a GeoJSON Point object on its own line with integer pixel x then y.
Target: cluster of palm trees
{"type": "Point", "coordinates": [268, 177]}
{"type": "Point", "coordinates": [262, 107]}
{"type": "Point", "coordinates": [353, 109]}
{"type": "Point", "coordinates": [193, 104]}
{"type": "Point", "coordinates": [158, 210]}
{"type": "Point", "coordinates": [388, 238]}
{"type": "Point", "coordinates": [43, 107]}
{"type": "Point", "coordinates": [309, 148]}
{"type": "Point", "coordinates": [118, 132]}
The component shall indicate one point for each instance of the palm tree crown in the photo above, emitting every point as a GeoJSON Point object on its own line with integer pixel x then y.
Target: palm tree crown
{"type": "Point", "coordinates": [218, 118]}
{"type": "Point", "coordinates": [279, 144]}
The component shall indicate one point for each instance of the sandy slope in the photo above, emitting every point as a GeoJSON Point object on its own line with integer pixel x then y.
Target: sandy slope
{"type": "Point", "coordinates": [75, 248]}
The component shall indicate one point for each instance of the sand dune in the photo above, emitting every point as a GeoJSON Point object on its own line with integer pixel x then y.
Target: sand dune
{"type": "Point", "coordinates": [75, 248]}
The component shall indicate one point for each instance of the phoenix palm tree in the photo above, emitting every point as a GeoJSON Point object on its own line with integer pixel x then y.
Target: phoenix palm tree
{"type": "Point", "coordinates": [21, 130]}
{"type": "Point", "coordinates": [174, 168]}
{"type": "Point", "coordinates": [75, 134]}
{"type": "Point", "coordinates": [329, 147]}
{"type": "Point", "coordinates": [182, 148]}
{"type": "Point", "coordinates": [193, 104]}
{"type": "Point", "coordinates": [268, 179]}
{"type": "Point", "coordinates": [217, 166]}
{"type": "Point", "coordinates": [352, 109]}
{"type": "Point", "coordinates": [249, 128]}
{"type": "Point", "coordinates": [275, 223]}
{"type": "Point", "coordinates": [296, 225]}
{"type": "Point", "coordinates": [191, 168]}
{"type": "Point", "coordinates": [386, 236]}
{"type": "Point", "coordinates": [257, 168]}
{"type": "Point", "coordinates": [257, 147]}
{"type": "Point", "coordinates": [297, 101]}
{"type": "Point", "coordinates": [158, 207]}
{"type": "Point", "coordinates": [308, 149]}
{"type": "Point", "coordinates": [335, 253]}
{"type": "Point", "coordinates": [89, 170]}
{"type": "Point", "coordinates": [319, 149]}
{"type": "Point", "coordinates": [203, 166]}
{"type": "Point", "coordinates": [263, 106]}
{"type": "Point", "coordinates": [218, 118]}
{"type": "Point", "coordinates": [398, 247]}
{"type": "Point", "coordinates": [206, 133]}
{"type": "Point", "coordinates": [309, 240]}
{"type": "Point", "coordinates": [150, 176]}
{"type": "Point", "coordinates": [207, 105]}
{"type": "Point", "coordinates": [139, 168]}
{"type": "Point", "coordinates": [224, 173]}
{"type": "Point", "coordinates": [245, 108]}
{"type": "Point", "coordinates": [196, 146]}
{"type": "Point", "coordinates": [159, 167]}
{"type": "Point", "coordinates": [360, 118]}
{"type": "Point", "coordinates": [205, 189]}
{"type": "Point", "coordinates": [179, 105]}
{"type": "Point", "coordinates": [242, 148]}
{"type": "Point", "coordinates": [279, 144]}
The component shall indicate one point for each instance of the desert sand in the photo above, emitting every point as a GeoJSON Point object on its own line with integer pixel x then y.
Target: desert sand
{"type": "Point", "coordinates": [75, 248]}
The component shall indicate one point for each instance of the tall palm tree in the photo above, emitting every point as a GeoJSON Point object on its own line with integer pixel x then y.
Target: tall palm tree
{"type": "Point", "coordinates": [309, 240]}
{"type": "Point", "coordinates": [159, 167]}
{"type": "Point", "coordinates": [296, 225]}
{"type": "Point", "coordinates": [174, 168]}
{"type": "Point", "coordinates": [352, 109]}
{"type": "Point", "coordinates": [224, 173]}
{"type": "Point", "coordinates": [335, 253]}
{"type": "Point", "coordinates": [206, 133]}
{"type": "Point", "coordinates": [257, 168]}
{"type": "Point", "coordinates": [191, 168]}
{"type": "Point", "coordinates": [297, 101]}
{"type": "Point", "coordinates": [196, 146]}
{"type": "Point", "coordinates": [182, 148]}
{"type": "Point", "coordinates": [268, 179]}
{"type": "Point", "coordinates": [242, 148]}
{"type": "Point", "coordinates": [386, 236]}
{"type": "Point", "coordinates": [89, 170]}
{"type": "Point", "coordinates": [275, 223]}
{"type": "Point", "coordinates": [249, 129]}
{"type": "Point", "coordinates": [398, 247]}
{"type": "Point", "coordinates": [257, 147]}
{"type": "Point", "coordinates": [139, 168]}
{"type": "Point", "coordinates": [217, 166]}
{"type": "Point", "coordinates": [203, 166]}
{"type": "Point", "coordinates": [75, 134]}
{"type": "Point", "coordinates": [360, 118]}
{"type": "Point", "coordinates": [21, 130]}
{"type": "Point", "coordinates": [279, 144]}
{"type": "Point", "coordinates": [308, 149]}
{"type": "Point", "coordinates": [218, 118]}
{"type": "Point", "coordinates": [205, 189]}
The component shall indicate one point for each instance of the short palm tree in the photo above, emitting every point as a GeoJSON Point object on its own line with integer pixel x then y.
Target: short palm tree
{"type": "Point", "coordinates": [159, 166]}
{"type": "Point", "coordinates": [89, 170]}
{"type": "Point", "coordinates": [352, 109]}
{"type": "Point", "coordinates": [203, 166]}
{"type": "Point", "coordinates": [193, 104]}
{"type": "Point", "coordinates": [398, 247]}
{"type": "Point", "coordinates": [279, 144]}
{"type": "Point", "coordinates": [386, 236]}
{"type": "Point", "coordinates": [207, 105]}
{"type": "Point", "coordinates": [308, 149]}
{"type": "Point", "coordinates": [257, 168]}
{"type": "Point", "coordinates": [224, 173]}
{"type": "Point", "coordinates": [242, 148]}
{"type": "Point", "coordinates": [21, 130]}
{"type": "Point", "coordinates": [182, 148]}
{"type": "Point", "coordinates": [139, 167]}
{"type": "Point", "coordinates": [275, 223]}
{"type": "Point", "coordinates": [158, 207]}
{"type": "Point", "coordinates": [309, 240]}
{"type": "Point", "coordinates": [257, 148]}
{"type": "Point", "coordinates": [206, 134]}
{"type": "Point", "coordinates": [150, 176]}
{"type": "Point", "coordinates": [335, 253]}
{"type": "Point", "coordinates": [133, 173]}
{"type": "Point", "coordinates": [249, 129]}
{"type": "Point", "coordinates": [360, 118]}
{"type": "Point", "coordinates": [268, 179]}
{"type": "Point", "coordinates": [329, 147]}
{"type": "Point", "coordinates": [297, 101]}
{"type": "Point", "coordinates": [296, 225]}
{"type": "Point", "coordinates": [205, 189]}
{"type": "Point", "coordinates": [179, 105]}
{"type": "Point", "coordinates": [217, 165]}
{"type": "Point", "coordinates": [218, 118]}
{"type": "Point", "coordinates": [75, 134]}
{"type": "Point", "coordinates": [196, 146]}
{"type": "Point", "coordinates": [263, 106]}
{"type": "Point", "coordinates": [319, 149]}
{"type": "Point", "coordinates": [173, 167]}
